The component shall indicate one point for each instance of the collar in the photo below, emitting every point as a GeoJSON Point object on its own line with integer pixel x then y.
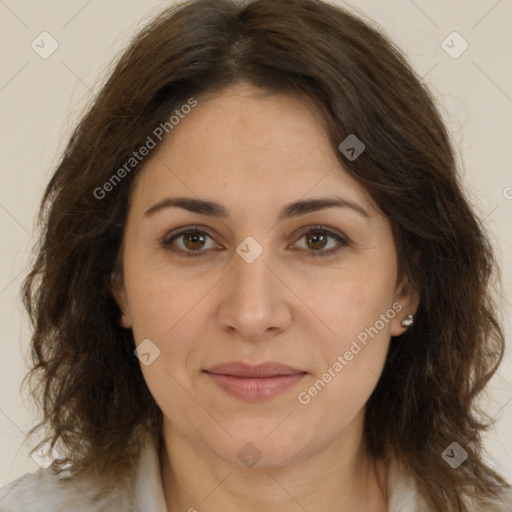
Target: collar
{"type": "Point", "coordinates": [148, 489]}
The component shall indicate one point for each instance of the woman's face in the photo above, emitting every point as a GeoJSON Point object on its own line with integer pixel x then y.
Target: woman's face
{"type": "Point", "coordinates": [257, 282]}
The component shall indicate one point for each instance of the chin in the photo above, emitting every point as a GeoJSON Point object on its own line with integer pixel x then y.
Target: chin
{"type": "Point", "coordinates": [265, 446]}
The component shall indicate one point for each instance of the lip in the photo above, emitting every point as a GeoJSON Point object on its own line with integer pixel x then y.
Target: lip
{"type": "Point", "coordinates": [255, 383]}
{"type": "Point", "coordinates": [239, 369]}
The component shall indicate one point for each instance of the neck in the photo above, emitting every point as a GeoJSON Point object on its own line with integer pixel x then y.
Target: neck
{"type": "Point", "coordinates": [339, 478]}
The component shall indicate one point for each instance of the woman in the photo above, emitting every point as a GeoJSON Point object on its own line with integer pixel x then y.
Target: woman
{"type": "Point", "coordinates": [259, 285]}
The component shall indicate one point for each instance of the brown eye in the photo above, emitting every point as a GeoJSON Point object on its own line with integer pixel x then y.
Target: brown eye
{"type": "Point", "coordinates": [317, 240]}
{"type": "Point", "coordinates": [193, 240]}
{"type": "Point", "coordinates": [190, 242]}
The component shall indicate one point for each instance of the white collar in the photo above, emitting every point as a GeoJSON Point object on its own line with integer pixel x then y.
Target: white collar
{"type": "Point", "coordinates": [148, 489]}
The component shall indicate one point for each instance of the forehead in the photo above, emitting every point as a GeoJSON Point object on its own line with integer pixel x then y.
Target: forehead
{"type": "Point", "coordinates": [242, 143]}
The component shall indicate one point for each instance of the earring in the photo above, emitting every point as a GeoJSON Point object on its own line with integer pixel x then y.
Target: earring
{"type": "Point", "coordinates": [408, 321]}
{"type": "Point", "coordinates": [124, 318]}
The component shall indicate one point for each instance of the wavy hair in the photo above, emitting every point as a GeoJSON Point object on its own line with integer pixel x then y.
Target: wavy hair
{"type": "Point", "coordinates": [85, 377]}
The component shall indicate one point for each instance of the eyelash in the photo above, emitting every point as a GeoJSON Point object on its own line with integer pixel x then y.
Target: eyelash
{"type": "Point", "coordinates": [167, 242]}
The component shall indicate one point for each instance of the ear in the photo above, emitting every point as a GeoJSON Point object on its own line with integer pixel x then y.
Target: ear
{"type": "Point", "coordinates": [118, 290]}
{"type": "Point", "coordinates": [407, 299]}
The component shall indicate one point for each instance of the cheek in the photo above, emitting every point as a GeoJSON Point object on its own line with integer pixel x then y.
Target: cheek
{"type": "Point", "coordinates": [171, 309]}
{"type": "Point", "coordinates": [357, 313]}
{"type": "Point", "coordinates": [348, 365]}
{"type": "Point", "coordinates": [162, 298]}
{"type": "Point", "coordinates": [353, 301]}
{"type": "Point", "coordinates": [167, 310]}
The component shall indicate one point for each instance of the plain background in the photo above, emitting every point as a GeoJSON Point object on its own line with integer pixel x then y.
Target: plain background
{"type": "Point", "coordinates": [41, 99]}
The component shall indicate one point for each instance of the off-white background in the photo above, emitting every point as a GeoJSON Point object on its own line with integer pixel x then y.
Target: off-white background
{"type": "Point", "coordinates": [41, 99]}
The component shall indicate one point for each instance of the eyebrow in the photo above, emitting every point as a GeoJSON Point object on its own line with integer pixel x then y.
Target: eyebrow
{"type": "Point", "coordinates": [213, 209]}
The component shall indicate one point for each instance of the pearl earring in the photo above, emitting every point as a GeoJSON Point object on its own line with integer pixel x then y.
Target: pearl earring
{"type": "Point", "coordinates": [408, 321]}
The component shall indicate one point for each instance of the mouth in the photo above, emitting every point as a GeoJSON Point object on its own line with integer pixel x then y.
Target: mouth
{"type": "Point", "coordinates": [255, 383]}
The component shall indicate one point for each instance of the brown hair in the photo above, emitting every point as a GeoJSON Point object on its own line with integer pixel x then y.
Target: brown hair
{"type": "Point", "coordinates": [93, 396]}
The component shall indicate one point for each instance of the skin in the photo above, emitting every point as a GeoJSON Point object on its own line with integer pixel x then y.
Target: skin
{"type": "Point", "coordinates": [254, 152]}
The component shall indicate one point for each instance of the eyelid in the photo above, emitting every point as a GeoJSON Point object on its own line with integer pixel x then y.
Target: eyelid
{"type": "Point", "coordinates": [166, 243]}
{"type": "Point", "coordinates": [342, 240]}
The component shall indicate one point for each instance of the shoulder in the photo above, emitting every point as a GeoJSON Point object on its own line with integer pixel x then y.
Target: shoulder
{"type": "Point", "coordinates": [139, 489]}
{"type": "Point", "coordinates": [405, 497]}
{"type": "Point", "coordinates": [45, 490]}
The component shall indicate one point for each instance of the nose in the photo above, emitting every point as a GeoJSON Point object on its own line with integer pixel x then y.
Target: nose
{"type": "Point", "coordinates": [254, 299]}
